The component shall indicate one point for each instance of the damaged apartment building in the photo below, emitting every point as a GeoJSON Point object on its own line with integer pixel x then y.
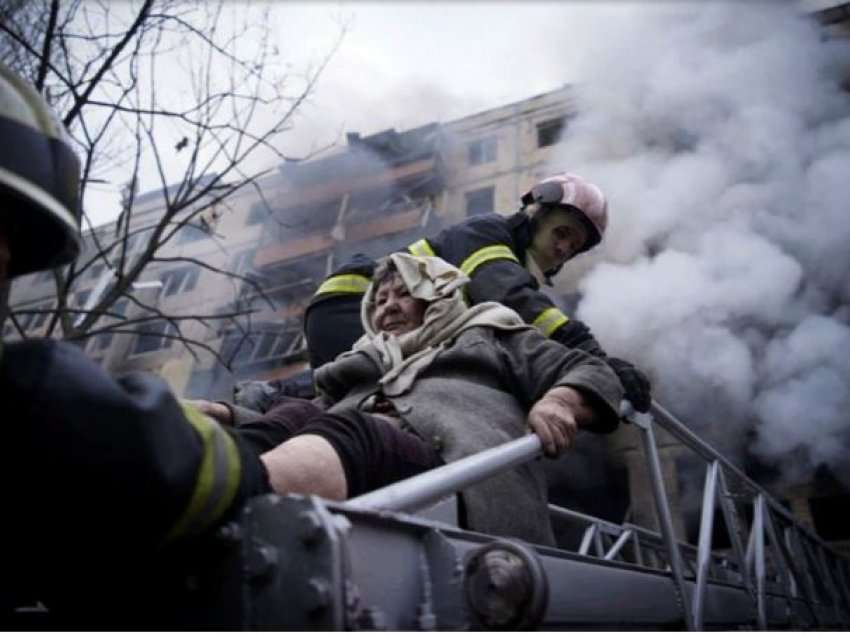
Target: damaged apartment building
{"type": "Point", "coordinates": [378, 194]}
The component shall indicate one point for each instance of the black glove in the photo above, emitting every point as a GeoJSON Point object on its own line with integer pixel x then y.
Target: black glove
{"type": "Point", "coordinates": [635, 383]}
{"type": "Point", "coordinates": [577, 335]}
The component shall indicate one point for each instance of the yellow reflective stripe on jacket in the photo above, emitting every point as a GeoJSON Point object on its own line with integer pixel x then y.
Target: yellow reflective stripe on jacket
{"type": "Point", "coordinates": [549, 320]}
{"type": "Point", "coordinates": [344, 284]}
{"type": "Point", "coordinates": [217, 480]}
{"type": "Point", "coordinates": [421, 248]}
{"type": "Point", "coordinates": [486, 254]}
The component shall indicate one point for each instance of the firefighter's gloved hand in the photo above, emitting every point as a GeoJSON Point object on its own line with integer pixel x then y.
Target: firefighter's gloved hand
{"type": "Point", "coordinates": [635, 383]}
{"type": "Point", "coordinates": [577, 335]}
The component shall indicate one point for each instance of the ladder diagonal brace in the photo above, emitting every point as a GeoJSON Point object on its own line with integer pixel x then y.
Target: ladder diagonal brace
{"type": "Point", "coordinates": [618, 545]}
{"type": "Point", "coordinates": [730, 517]}
{"type": "Point", "coordinates": [665, 520]}
{"type": "Point", "coordinates": [709, 498]}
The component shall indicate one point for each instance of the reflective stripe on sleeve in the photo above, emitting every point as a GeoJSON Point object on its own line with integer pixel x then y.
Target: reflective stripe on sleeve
{"type": "Point", "coordinates": [549, 320]}
{"type": "Point", "coordinates": [217, 479]}
{"type": "Point", "coordinates": [344, 284]}
{"type": "Point", "coordinates": [421, 248]}
{"type": "Point", "coordinates": [486, 254]}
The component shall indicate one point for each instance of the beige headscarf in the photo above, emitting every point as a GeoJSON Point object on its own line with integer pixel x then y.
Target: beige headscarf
{"type": "Point", "coordinates": [433, 280]}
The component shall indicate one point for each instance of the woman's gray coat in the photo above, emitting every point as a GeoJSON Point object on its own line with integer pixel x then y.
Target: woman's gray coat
{"type": "Point", "coordinates": [476, 394]}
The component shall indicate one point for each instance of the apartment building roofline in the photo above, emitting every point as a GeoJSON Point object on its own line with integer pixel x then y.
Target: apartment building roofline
{"type": "Point", "coordinates": [564, 88]}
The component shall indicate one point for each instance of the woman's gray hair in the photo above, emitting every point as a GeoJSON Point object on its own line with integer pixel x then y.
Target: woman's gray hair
{"type": "Point", "coordinates": [385, 270]}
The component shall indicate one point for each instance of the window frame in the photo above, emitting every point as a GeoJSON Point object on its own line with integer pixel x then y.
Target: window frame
{"type": "Point", "coordinates": [179, 280]}
{"type": "Point", "coordinates": [470, 196]}
{"type": "Point", "coordinates": [165, 329]}
{"type": "Point", "coordinates": [482, 151]}
{"type": "Point", "coordinates": [554, 128]}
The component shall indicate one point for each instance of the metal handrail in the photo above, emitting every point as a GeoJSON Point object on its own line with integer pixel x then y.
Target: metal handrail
{"type": "Point", "coordinates": [417, 492]}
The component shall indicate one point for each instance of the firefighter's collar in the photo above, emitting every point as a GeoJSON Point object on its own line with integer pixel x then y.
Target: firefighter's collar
{"type": "Point", "coordinates": [533, 268]}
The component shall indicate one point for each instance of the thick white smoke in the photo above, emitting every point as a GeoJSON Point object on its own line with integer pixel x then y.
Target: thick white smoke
{"type": "Point", "coordinates": [722, 136]}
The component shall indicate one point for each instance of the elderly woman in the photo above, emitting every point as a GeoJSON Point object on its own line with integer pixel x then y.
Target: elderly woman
{"type": "Point", "coordinates": [433, 381]}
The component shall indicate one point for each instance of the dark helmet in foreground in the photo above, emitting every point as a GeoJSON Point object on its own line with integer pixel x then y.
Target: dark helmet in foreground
{"type": "Point", "coordinates": [39, 180]}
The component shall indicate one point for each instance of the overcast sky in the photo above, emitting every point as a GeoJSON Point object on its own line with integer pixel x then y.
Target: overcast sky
{"type": "Point", "coordinates": [403, 64]}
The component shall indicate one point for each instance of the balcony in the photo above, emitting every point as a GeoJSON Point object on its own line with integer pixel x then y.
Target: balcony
{"type": "Point", "coordinates": [322, 241]}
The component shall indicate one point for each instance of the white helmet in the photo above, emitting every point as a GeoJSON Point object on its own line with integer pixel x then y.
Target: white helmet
{"type": "Point", "coordinates": [575, 193]}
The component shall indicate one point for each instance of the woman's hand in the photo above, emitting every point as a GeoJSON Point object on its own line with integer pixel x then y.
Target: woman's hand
{"type": "Point", "coordinates": [555, 419]}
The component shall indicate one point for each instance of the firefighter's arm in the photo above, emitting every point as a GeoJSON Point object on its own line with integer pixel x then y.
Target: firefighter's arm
{"type": "Point", "coordinates": [536, 366]}
{"type": "Point", "coordinates": [504, 280]}
{"type": "Point", "coordinates": [140, 464]}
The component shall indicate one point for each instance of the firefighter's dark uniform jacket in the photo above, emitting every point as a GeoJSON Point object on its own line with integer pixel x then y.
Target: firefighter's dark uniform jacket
{"type": "Point", "coordinates": [489, 248]}
{"type": "Point", "coordinates": [100, 474]}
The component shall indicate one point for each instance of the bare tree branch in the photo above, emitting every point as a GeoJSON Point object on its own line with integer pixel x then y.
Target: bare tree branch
{"type": "Point", "coordinates": [107, 63]}
{"type": "Point", "coordinates": [100, 65]}
{"type": "Point", "coordinates": [48, 42]}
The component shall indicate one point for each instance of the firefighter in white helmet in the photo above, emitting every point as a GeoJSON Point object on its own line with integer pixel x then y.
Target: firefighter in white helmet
{"type": "Point", "coordinates": [100, 474]}
{"type": "Point", "coordinates": [507, 259]}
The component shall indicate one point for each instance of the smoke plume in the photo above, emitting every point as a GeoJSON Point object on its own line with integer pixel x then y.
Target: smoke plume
{"type": "Point", "coordinates": [721, 134]}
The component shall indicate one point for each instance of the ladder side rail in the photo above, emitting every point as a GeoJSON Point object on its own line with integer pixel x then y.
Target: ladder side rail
{"type": "Point", "coordinates": [665, 520]}
{"type": "Point", "coordinates": [672, 425]}
{"type": "Point", "coordinates": [709, 497]}
{"type": "Point", "coordinates": [731, 518]}
{"type": "Point", "coordinates": [416, 492]}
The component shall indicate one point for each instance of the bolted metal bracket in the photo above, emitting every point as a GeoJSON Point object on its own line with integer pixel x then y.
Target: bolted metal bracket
{"type": "Point", "coordinates": [292, 565]}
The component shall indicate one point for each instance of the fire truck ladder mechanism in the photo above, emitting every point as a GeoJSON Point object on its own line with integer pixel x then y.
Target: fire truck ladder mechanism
{"type": "Point", "coordinates": [396, 559]}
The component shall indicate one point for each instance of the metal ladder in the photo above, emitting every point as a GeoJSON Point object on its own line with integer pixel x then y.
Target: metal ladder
{"type": "Point", "coordinates": [394, 559]}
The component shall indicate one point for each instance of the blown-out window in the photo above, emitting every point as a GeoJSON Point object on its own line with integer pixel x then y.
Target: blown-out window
{"type": "Point", "coordinates": [550, 131]}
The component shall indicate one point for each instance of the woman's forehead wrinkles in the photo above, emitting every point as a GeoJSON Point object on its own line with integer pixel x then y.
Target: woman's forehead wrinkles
{"type": "Point", "coordinates": [395, 284]}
